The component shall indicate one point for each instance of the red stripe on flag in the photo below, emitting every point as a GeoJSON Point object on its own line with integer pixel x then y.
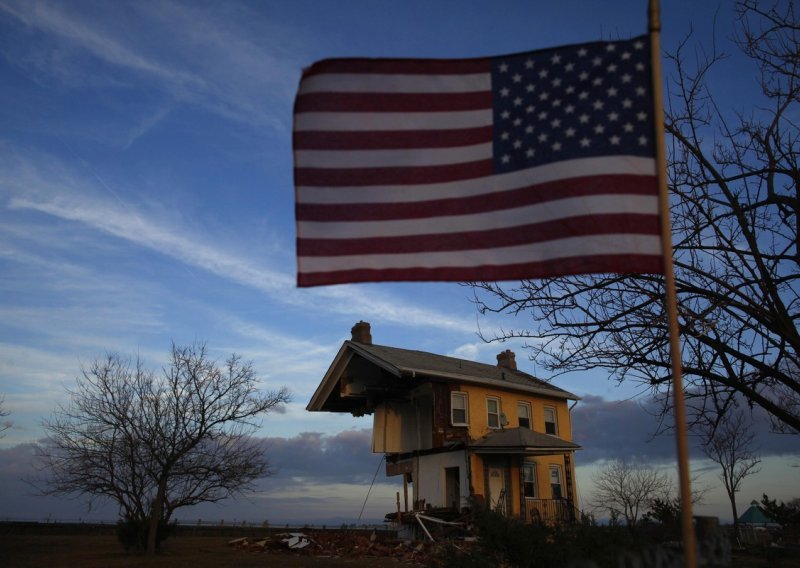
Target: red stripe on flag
{"type": "Point", "coordinates": [620, 264]}
{"type": "Point", "coordinates": [391, 140]}
{"type": "Point", "coordinates": [552, 191]}
{"type": "Point", "coordinates": [392, 102]}
{"type": "Point", "coordinates": [331, 177]}
{"type": "Point", "coordinates": [477, 240]}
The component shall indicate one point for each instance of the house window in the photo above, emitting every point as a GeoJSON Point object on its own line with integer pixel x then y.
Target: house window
{"type": "Point", "coordinates": [458, 409]}
{"type": "Point", "coordinates": [524, 414]}
{"type": "Point", "coordinates": [555, 482]}
{"type": "Point", "coordinates": [550, 424]}
{"type": "Point", "coordinates": [529, 479]}
{"type": "Point", "coordinates": [493, 412]}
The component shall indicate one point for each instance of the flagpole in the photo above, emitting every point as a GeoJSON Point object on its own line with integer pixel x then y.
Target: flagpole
{"type": "Point", "coordinates": [681, 433]}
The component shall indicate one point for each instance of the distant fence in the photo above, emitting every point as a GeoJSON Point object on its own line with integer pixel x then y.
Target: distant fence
{"type": "Point", "coordinates": [199, 528]}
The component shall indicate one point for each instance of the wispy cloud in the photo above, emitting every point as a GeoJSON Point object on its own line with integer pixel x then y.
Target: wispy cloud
{"type": "Point", "coordinates": [190, 250]}
{"type": "Point", "coordinates": [144, 126]}
{"type": "Point", "coordinates": [50, 18]}
{"type": "Point", "coordinates": [207, 56]}
{"type": "Point", "coordinates": [52, 188]}
{"type": "Point", "coordinates": [280, 356]}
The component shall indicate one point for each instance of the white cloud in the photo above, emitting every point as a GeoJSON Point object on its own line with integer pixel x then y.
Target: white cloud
{"type": "Point", "coordinates": [278, 349]}
{"type": "Point", "coordinates": [33, 370]}
{"type": "Point", "coordinates": [295, 416]}
{"type": "Point", "coordinates": [51, 188]}
{"type": "Point", "coordinates": [469, 351]}
{"type": "Point", "coordinates": [145, 125]}
{"type": "Point", "coordinates": [216, 58]}
{"type": "Point", "coordinates": [49, 17]}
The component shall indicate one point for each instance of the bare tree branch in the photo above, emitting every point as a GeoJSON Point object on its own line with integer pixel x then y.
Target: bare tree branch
{"type": "Point", "coordinates": [730, 444]}
{"type": "Point", "coordinates": [735, 199]}
{"type": "Point", "coordinates": [155, 443]}
{"type": "Point", "coordinates": [626, 489]}
{"type": "Point", "coordinates": [4, 424]}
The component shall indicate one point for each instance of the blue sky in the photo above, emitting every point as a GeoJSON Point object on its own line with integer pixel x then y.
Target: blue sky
{"type": "Point", "coordinates": [146, 197]}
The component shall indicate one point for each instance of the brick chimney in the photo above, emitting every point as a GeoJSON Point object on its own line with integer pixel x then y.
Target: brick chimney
{"type": "Point", "coordinates": [361, 334]}
{"type": "Point", "coordinates": [507, 359]}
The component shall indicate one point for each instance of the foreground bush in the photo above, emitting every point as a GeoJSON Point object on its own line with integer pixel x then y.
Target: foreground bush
{"type": "Point", "coordinates": [132, 533]}
{"type": "Point", "coordinates": [510, 542]}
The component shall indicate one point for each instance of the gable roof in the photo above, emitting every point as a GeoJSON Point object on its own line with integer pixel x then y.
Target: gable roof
{"type": "Point", "coordinates": [521, 441]}
{"type": "Point", "coordinates": [443, 367]}
{"type": "Point", "coordinates": [411, 365]}
{"type": "Point", "coordinates": [754, 515]}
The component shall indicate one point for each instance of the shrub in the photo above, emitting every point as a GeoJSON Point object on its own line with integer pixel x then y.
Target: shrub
{"type": "Point", "coordinates": [510, 542]}
{"type": "Point", "coordinates": [132, 533]}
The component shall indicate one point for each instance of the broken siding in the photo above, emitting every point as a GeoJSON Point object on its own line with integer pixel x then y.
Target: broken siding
{"type": "Point", "coordinates": [441, 413]}
{"type": "Point", "coordinates": [401, 426]}
{"type": "Point", "coordinates": [394, 428]}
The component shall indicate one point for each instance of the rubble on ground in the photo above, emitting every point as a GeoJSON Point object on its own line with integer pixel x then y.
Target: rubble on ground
{"type": "Point", "coordinates": [343, 544]}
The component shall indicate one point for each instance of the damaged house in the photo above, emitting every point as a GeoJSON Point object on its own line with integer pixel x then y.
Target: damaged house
{"type": "Point", "coordinates": [458, 430]}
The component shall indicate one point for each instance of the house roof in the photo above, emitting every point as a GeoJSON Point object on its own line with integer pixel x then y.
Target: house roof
{"type": "Point", "coordinates": [755, 516]}
{"type": "Point", "coordinates": [521, 441]}
{"type": "Point", "coordinates": [410, 366]}
{"type": "Point", "coordinates": [408, 361]}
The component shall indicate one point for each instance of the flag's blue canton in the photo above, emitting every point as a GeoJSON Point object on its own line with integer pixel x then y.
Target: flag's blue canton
{"type": "Point", "coordinates": [572, 102]}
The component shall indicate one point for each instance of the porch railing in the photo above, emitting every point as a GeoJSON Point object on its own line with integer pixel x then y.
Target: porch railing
{"type": "Point", "coordinates": [550, 511]}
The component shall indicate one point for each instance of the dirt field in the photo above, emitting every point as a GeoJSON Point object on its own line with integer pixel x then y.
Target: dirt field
{"type": "Point", "coordinates": [36, 551]}
{"type": "Point", "coordinates": [103, 551]}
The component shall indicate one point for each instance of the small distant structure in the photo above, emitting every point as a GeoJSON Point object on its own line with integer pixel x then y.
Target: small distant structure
{"type": "Point", "coordinates": [755, 516]}
{"type": "Point", "coordinates": [756, 528]}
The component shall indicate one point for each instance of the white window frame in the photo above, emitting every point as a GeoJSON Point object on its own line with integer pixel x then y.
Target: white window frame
{"type": "Point", "coordinates": [489, 414]}
{"type": "Point", "coordinates": [527, 406]}
{"type": "Point", "coordinates": [548, 410]}
{"type": "Point", "coordinates": [454, 395]}
{"type": "Point", "coordinates": [559, 473]}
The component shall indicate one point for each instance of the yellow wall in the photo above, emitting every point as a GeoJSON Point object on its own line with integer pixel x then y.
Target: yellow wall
{"type": "Point", "coordinates": [476, 475]}
{"type": "Point", "coordinates": [478, 427]}
{"type": "Point", "coordinates": [478, 419]}
{"type": "Point", "coordinates": [543, 464]}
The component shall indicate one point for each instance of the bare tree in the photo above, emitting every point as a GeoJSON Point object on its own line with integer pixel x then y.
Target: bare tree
{"type": "Point", "coordinates": [627, 489]}
{"type": "Point", "coordinates": [735, 198]}
{"type": "Point", "coordinates": [4, 424]}
{"type": "Point", "coordinates": [730, 446]}
{"type": "Point", "coordinates": [153, 443]}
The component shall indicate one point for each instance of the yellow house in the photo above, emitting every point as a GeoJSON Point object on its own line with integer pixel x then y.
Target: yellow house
{"type": "Point", "coordinates": [458, 430]}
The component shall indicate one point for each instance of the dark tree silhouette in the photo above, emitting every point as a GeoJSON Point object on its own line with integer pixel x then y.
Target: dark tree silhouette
{"type": "Point", "coordinates": [627, 489]}
{"type": "Point", "coordinates": [155, 442]}
{"type": "Point", "coordinates": [734, 180]}
{"type": "Point", "coordinates": [4, 412]}
{"type": "Point", "coordinates": [730, 444]}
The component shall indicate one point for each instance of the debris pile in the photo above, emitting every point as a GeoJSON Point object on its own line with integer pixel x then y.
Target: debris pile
{"type": "Point", "coordinates": [244, 543]}
{"type": "Point", "coordinates": [342, 544]}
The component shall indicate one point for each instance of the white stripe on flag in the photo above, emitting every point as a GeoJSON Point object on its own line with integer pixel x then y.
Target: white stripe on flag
{"type": "Point", "coordinates": [584, 246]}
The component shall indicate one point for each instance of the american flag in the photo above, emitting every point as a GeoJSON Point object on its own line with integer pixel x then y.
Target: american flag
{"type": "Point", "coordinates": [520, 166]}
